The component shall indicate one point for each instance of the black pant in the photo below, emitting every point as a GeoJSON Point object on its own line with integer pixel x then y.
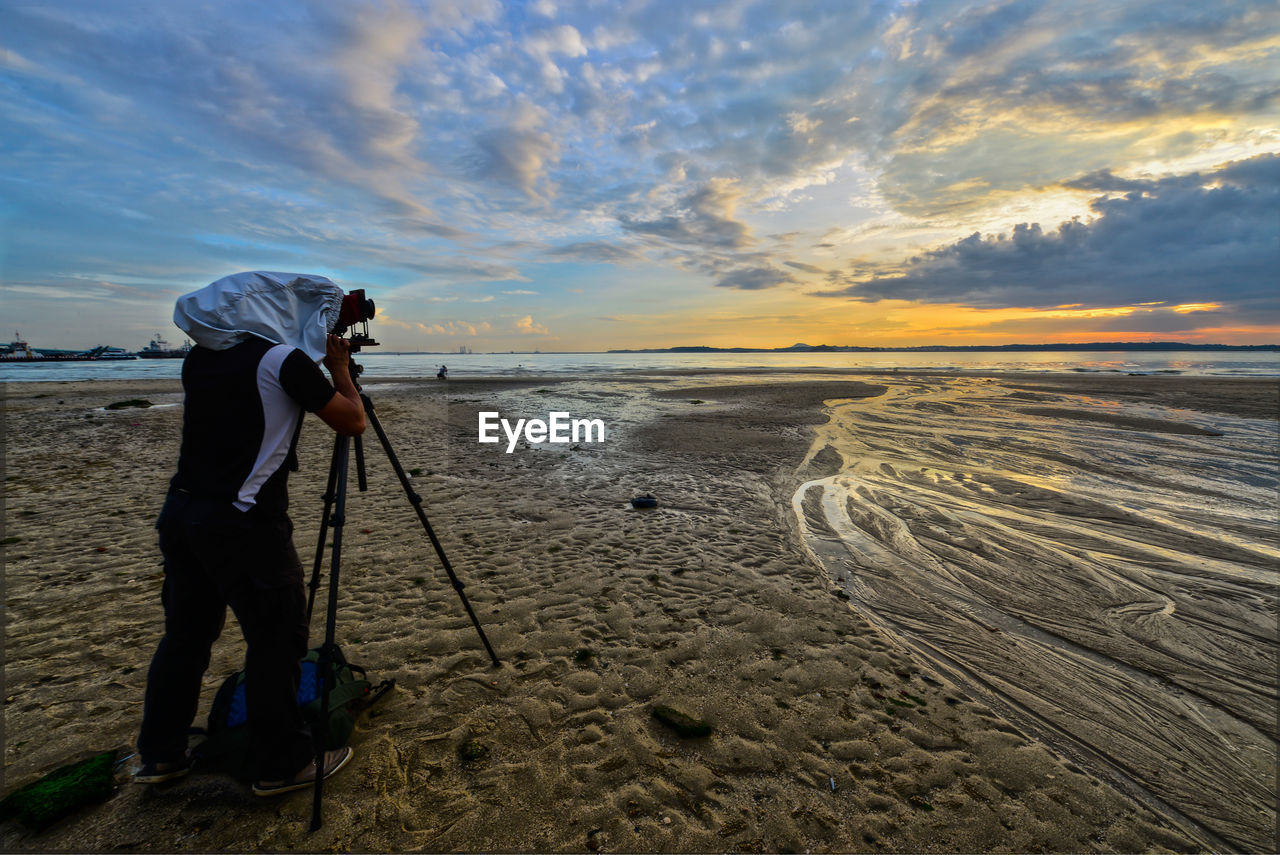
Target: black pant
{"type": "Point", "coordinates": [216, 556]}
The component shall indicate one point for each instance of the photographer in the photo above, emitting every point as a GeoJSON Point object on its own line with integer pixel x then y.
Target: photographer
{"type": "Point", "coordinates": [224, 531]}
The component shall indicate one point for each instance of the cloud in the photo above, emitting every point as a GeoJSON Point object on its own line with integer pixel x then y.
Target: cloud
{"type": "Point", "coordinates": [595, 251]}
{"type": "Point", "coordinates": [1165, 321]}
{"type": "Point", "coordinates": [545, 8]}
{"type": "Point", "coordinates": [545, 45]}
{"type": "Point", "coordinates": [703, 218]}
{"type": "Point", "coordinates": [1184, 239]}
{"type": "Point", "coordinates": [453, 328]}
{"type": "Point", "coordinates": [375, 48]}
{"type": "Point", "coordinates": [459, 269]}
{"type": "Point", "coordinates": [754, 279]}
{"type": "Point", "coordinates": [985, 92]}
{"type": "Point", "coordinates": [474, 140]}
{"type": "Point", "coordinates": [207, 129]}
{"type": "Point", "coordinates": [526, 326]}
{"type": "Point", "coordinates": [561, 40]}
{"type": "Point", "coordinates": [806, 268]}
{"type": "Point", "coordinates": [516, 156]}
{"type": "Point", "coordinates": [52, 292]}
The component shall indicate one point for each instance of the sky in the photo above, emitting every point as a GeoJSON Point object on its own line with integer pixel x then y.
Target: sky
{"type": "Point", "coordinates": [581, 175]}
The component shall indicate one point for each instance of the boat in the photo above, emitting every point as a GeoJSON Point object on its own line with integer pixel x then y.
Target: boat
{"type": "Point", "coordinates": [105, 352]}
{"type": "Point", "coordinates": [160, 349]}
{"type": "Point", "coordinates": [19, 351]}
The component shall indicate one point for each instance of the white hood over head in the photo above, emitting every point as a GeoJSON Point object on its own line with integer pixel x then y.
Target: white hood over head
{"type": "Point", "coordinates": [284, 308]}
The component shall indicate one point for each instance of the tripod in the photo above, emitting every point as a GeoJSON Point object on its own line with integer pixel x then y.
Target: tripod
{"type": "Point", "coordinates": [335, 510]}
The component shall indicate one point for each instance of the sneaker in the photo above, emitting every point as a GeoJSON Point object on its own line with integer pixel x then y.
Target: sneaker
{"type": "Point", "coordinates": [333, 761]}
{"type": "Point", "coordinates": [158, 773]}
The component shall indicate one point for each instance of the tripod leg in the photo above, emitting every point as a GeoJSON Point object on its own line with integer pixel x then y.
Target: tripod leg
{"type": "Point", "coordinates": [360, 479]}
{"type": "Point", "coordinates": [341, 457]}
{"type": "Point", "coordinates": [324, 530]}
{"type": "Point", "coordinates": [416, 501]}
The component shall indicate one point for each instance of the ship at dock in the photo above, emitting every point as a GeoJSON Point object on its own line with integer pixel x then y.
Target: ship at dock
{"type": "Point", "coordinates": [158, 348]}
{"type": "Point", "coordinates": [20, 351]}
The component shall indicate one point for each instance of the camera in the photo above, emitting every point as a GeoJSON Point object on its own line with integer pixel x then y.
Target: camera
{"type": "Point", "coordinates": [356, 309]}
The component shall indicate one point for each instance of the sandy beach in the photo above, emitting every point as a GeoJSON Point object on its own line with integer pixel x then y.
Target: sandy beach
{"type": "Point", "coordinates": [770, 594]}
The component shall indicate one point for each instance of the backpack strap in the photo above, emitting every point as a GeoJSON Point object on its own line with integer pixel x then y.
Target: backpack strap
{"type": "Point", "coordinates": [341, 695]}
{"type": "Point", "coordinates": [376, 693]}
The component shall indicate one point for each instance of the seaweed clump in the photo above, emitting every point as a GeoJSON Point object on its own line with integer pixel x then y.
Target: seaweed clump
{"type": "Point", "coordinates": [63, 791]}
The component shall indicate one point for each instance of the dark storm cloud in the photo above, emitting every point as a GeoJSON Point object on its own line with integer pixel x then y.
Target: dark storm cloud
{"type": "Point", "coordinates": [1192, 238]}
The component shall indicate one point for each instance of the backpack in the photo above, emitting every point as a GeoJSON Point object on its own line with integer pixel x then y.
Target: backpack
{"type": "Point", "coordinates": [226, 744]}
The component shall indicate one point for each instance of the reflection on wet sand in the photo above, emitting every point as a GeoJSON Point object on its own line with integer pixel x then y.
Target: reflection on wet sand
{"type": "Point", "coordinates": [1105, 574]}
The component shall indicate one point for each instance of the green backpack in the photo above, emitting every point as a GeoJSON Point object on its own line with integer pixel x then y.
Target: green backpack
{"type": "Point", "coordinates": [226, 744]}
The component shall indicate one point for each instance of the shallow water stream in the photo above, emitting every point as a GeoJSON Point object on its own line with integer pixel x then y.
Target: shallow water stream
{"type": "Point", "coordinates": [1106, 576]}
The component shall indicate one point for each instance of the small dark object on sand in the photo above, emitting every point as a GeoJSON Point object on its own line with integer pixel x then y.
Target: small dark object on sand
{"type": "Point", "coordinates": [141, 403]}
{"type": "Point", "coordinates": [63, 791]}
{"type": "Point", "coordinates": [683, 724]}
{"type": "Point", "coordinates": [472, 751]}
{"type": "Point", "coordinates": [645, 501]}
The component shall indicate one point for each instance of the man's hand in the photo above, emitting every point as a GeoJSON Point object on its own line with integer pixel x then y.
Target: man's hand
{"type": "Point", "coordinates": [337, 353]}
{"type": "Point", "coordinates": [345, 410]}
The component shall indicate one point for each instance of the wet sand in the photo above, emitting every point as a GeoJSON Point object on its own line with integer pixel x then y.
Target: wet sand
{"type": "Point", "coordinates": [1104, 574]}
{"type": "Point", "coordinates": [834, 728]}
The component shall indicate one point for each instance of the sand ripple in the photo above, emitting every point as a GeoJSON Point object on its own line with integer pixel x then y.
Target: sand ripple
{"type": "Point", "coordinates": [1106, 575]}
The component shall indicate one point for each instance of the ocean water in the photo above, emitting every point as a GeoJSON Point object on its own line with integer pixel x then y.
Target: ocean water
{"type": "Point", "coordinates": [380, 364]}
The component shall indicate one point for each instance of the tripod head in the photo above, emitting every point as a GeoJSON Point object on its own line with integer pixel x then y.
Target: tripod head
{"type": "Point", "coordinates": [356, 341]}
{"type": "Point", "coordinates": [354, 367]}
{"type": "Point", "coordinates": [361, 339]}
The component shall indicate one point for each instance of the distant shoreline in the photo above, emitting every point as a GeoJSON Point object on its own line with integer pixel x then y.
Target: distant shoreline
{"type": "Point", "coordinates": [1090, 347]}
